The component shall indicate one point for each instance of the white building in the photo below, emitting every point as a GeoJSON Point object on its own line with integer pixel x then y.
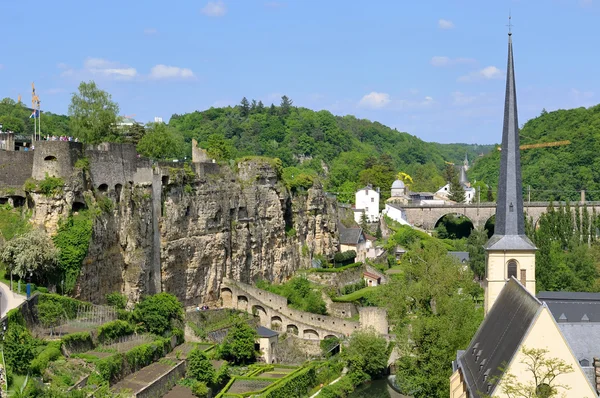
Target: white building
{"type": "Point", "coordinates": [396, 213]}
{"type": "Point", "coordinates": [398, 189]}
{"type": "Point", "coordinates": [366, 202]}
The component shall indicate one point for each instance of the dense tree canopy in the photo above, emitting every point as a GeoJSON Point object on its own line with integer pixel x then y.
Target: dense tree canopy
{"type": "Point", "coordinates": [93, 114]}
{"type": "Point", "coordinates": [557, 173]}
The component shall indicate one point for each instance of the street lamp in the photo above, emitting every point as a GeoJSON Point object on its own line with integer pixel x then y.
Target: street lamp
{"type": "Point", "coordinates": [30, 274]}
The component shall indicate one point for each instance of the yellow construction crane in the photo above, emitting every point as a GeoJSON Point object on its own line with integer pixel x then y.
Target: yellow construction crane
{"type": "Point", "coordinates": [543, 145]}
{"type": "Point", "coordinates": [449, 163]}
{"type": "Point", "coordinates": [19, 99]}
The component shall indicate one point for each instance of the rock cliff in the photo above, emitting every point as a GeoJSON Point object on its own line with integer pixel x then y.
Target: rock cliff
{"type": "Point", "coordinates": [184, 233]}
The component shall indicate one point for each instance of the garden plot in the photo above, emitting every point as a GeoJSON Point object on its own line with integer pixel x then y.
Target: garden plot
{"type": "Point", "coordinates": [241, 386]}
{"type": "Point", "coordinates": [140, 379]}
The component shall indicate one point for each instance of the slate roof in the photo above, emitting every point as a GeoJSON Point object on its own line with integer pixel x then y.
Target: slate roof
{"type": "Point", "coordinates": [498, 338]}
{"type": "Point", "coordinates": [460, 256]}
{"type": "Point", "coordinates": [350, 236]}
{"type": "Point", "coordinates": [509, 231]}
{"type": "Point", "coordinates": [583, 338]}
{"type": "Point", "coordinates": [265, 332]}
{"type": "Point", "coordinates": [573, 307]}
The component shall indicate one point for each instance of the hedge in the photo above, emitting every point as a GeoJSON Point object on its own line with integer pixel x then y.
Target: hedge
{"type": "Point", "coordinates": [68, 304]}
{"type": "Point", "coordinates": [49, 354]}
{"type": "Point", "coordinates": [113, 330]}
{"type": "Point", "coordinates": [354, 296]}
{"type": "Point", "coordinates": [338, 269]}
{"type": "Point", "coordinates": [78, 342]}
{"type": "Point", "coordinates": [295, 386]}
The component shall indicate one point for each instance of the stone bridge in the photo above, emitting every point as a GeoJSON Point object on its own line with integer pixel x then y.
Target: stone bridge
{"type": "Point", "coordinates": [274, 313]}
{"type": "Point", "coordinates": [427, 216]}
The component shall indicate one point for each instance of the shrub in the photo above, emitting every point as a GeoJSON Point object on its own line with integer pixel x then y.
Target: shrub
{"type": "Point", "coordinates": [50, 353]}
{"type": "Point", "coordinates": [117, 300]}
{"type": "Point", "coordinates": [344, 257]}
{"type": "Point", "coordinates": [105, 203]}
{"type": "Point", "coordinates": [78, 342]}
{"type": "Point", "coordinates": [199, 367]}
{"type": "Point", "coordinates": [69, 305]}
{"type": "Point", "coordinates": [51, 185]}
{"type": "Point", "coordinates": [156, 312]}
{"type": "Point", "coordinates": [199, 389]}
{"type": "Point", "coordinates": [50, 313]}
{"type": "Point", "coordinates": [296, 385]}
{"type": "Point", "coordinates": [112, 330]}
{"type": "Point", "coordinates": [19, 348]}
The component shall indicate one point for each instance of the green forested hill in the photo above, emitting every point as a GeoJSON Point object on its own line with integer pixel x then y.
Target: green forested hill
{"type": "Point", "coordinates": [557, 173]}
{"type": "Point", "coordinates": [354, 151]}
{"type": "Point", "coordinates": [344, 152]}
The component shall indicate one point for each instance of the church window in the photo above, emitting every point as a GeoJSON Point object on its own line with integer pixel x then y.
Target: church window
{"type": "Point", "coordinates": [512, 269]}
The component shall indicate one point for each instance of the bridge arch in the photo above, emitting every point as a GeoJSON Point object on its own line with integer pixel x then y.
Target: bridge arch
{"type": "Point", "coordinates": [489, 225]}
{"type": "Point", "coordinates": [456, 224]}
{"type": "Point", "coordinates": [310, 334]}
{"type": "Point", "coordinates": [226, 297]}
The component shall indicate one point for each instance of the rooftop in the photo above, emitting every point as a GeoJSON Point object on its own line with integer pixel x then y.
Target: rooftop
{"type": "Point", "coordinates": [265, 332]}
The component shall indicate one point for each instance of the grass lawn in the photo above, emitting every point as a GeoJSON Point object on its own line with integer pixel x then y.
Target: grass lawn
{"type": "Point", "coordinates": [354, 296]}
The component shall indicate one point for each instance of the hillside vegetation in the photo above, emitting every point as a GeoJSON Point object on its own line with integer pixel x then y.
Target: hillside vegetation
{"type": "Point", "coordinates": [555, 173]}
{"type": "Point", "coordinates": [344, 152]}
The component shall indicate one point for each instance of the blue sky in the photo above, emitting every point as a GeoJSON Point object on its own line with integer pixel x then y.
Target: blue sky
{"type": "Point", "coordinates": [433, 68]}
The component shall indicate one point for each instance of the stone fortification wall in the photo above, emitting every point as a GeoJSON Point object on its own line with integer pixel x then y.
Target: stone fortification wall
{"type": "Point", "coordinates": [112, 164]}
{"type": "Point", "coordinates": [164, 382]}
{"type": "Point", "coordinates": [15, 168]}
{"type": "Point", "coordinates": [55, 158]}
{"type": "Point", "coordinates": [374, 317]}
{"type": "Point", "coordinates": [337, 279]}
{"type": "Point", "coordinates": [274, 312]}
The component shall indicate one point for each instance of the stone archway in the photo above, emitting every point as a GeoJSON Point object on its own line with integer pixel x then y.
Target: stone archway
{"type": "Point", "coordinates": [226, 297]}
{"type": "Point", "coordinates": [310, 334]}
{"type": "Point", "coordinates": [292, 329]}
{"type": "Point", "coordinates": [242, 303]}
{"type": "Point", "coordinates": [259, 310]}
{"type": "Point", "coordinates": [456, 225]}
{"type": "Point", "coordinates": [276, 323]}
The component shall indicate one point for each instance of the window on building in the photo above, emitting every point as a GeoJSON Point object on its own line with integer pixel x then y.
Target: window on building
{"type": "Point", "coordinates": [523, 277]}
{"type": "Point", "coordinates": [372, 200]}
{"type": "Point", "coordinates": [512, 269]}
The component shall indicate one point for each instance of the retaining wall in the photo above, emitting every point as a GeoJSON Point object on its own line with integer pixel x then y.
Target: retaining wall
{"type": "Point", "coordinates": [164, 383]}
{"type": "Point", "coordinates": [15, 168]}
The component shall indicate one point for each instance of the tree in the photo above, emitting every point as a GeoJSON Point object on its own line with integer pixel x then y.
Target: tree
{"type": "Point", "coordinates": [475, 243]}
{"type": "Point", "coordinates": [161, 142]}
{"type": "Point", "coordinates": [285, 106]}
{"type": "Point", "coordinates": [93, 114]}
{"type": "Point", "coordinates": [199, 367]}
{"type": "Point", "coordinates": [364, 223]}
{"type": "Point", "coordinates": [135, 133]}
{"type": "Point", "coordinates": [260, 108]}
{"type": "Point", "coordinates": [542, 371]}
{"type": "Point", "coordinates": [490, 194]}
{"type": "Point", "coordinates": [18, 347]}
{"type": "Point", "coordinates": [11, 123]}
{"type": "Point", "coordinates": [244, 107]}
{"type": "Point", "coordinates": [367, 352]}
{"type": "Point", "coordinates": [34, 251]}
{"type": "Point", "coordinates": [238, 345]}
{"type": "Point", "coordinates": [50, 314]}
{"type": "Point", "coordinates": [378, 233]}
{"type": "Point", "coordinates": [456, 192]}
{"type": "Point", "coordinates": [157, 312]}
{"type": "Point", "coordinates": [219, 147]}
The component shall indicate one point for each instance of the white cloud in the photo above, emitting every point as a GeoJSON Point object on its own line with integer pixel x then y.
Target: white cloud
{"type": "Point", "coordinates": [170, 72]}
{"type": "Point", "coordinates": [445, 24]}
{"type": "Point", "coordinates": [374, 100]}
{"type": "Point", "coordinates": [103, 67]}
{"type": "Point", "coordinates": [428, 99]}
{"type": "Point", "coordinates": [150, 31]}
{"type": "Point", "coordinates": [441, 61]}
{"type": "Point", "coordinates": [214, 9]}
{"type": "Point", "coordinates": [487, 73]}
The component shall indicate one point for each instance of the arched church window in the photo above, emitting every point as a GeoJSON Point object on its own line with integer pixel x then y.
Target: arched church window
{"type": "Point", "coordinates": [512, 269]}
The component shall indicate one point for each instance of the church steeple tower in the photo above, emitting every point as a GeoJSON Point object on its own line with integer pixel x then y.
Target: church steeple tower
{"type": "Point", "coordinates": [509, 251]}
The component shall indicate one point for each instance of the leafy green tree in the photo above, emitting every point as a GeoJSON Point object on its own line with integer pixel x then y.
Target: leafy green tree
{"type": "Point", "coordinates": [367, 352]}
{"type": "Point", "coordinates": [117, 300]}
{"type": "Point", "coordinates": [93, 114]}
{"type": "Point", "coordinates": [219, 147]}
{"type": "Point", "coordinates": [475, 243]}
{"type": "Point", "coordinates": [11, 123]}
{"type": "Point", "coordinates": [199, 367]}
{"type": "Point", "coordinates": [34, 251]}
{"type": "Point", "coordinates": [456, 193]}
{"type": "Point", "coordinates": [431, 308]}
{"type": "Point", "coordinates": [19, 348]}
{"type": "Point", "coordinates": [134, 133]}
{"type": "Point", "coordinates": [490, 195]}
{"type": "Point", "coordinates": [260, 108]}
{"type": "Point", "coordinates": [50, 314]}
{"type": "Point", "coordinates": [156, 312]}
{"type": "Point", "coordinates": [161, 142]}
{"type": "Point", "coordinates": [238, 345]}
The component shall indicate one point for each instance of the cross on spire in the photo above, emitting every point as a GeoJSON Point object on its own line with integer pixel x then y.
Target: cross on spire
{"type": "Point", "coordinates": [510, 25]}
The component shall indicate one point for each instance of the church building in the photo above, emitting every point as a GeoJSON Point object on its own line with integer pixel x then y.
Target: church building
{"type": "Point", "coordinates": [515, 319]}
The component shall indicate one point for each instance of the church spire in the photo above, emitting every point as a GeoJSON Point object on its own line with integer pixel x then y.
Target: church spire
{"type": "Point", "coordinates": [509, 231]}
